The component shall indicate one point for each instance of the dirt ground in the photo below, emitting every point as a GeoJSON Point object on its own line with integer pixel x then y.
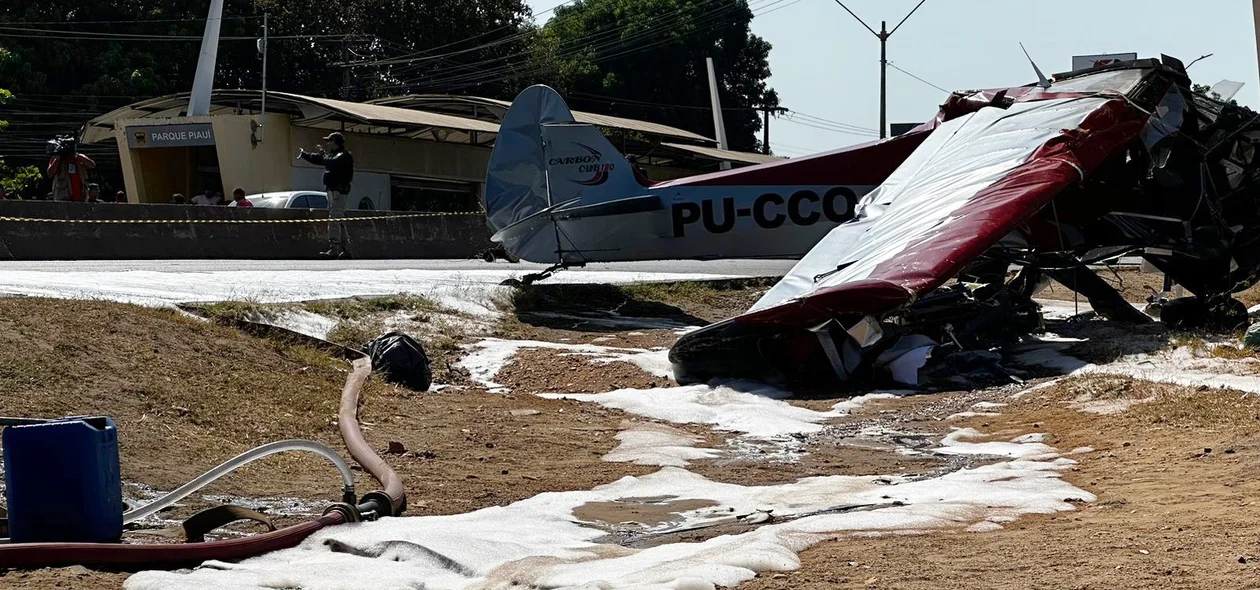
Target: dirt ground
{"type": "Point", "coordinates": [1169, 514]}
{"type": "Point", "coordinates": [188, 394]}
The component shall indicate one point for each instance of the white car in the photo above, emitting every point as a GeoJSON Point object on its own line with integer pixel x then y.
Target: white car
{"type": "Point", "coordinates": [299, 200]}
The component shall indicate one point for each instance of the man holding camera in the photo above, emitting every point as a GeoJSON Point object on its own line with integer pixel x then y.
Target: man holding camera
{"type": "Point", "coordinates": [69, 171]}
{"type": "Point", "coordinates": [338, 172]}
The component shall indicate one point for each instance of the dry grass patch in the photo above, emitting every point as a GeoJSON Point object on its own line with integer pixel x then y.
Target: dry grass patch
{"type": "Point", "coordinates": [362, 307]}
{"type": "Point", "coordinates": [186, 394]}
{"type": "Point", "coordinates": [1201, 408]}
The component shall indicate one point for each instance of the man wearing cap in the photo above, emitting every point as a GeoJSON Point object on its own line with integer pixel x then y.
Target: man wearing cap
{"type": "Point", "coordinates": [338, 172]}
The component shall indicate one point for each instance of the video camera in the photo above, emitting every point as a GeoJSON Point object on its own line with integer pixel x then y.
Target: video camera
{"type": "Point", "coordinates": [62, 145]}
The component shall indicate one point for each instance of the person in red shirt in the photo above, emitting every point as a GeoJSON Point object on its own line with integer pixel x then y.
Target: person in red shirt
{"type": "Point", "coordinates": [238, 199]}
{"type": "Point", "coordinates": [69, 175]}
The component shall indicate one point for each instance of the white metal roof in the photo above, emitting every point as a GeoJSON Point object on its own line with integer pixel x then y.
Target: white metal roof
{"type": "Point", "coordinates": [727, 155]}
{"type": "Point", "coordinates": [494, 108]}
{"type": "Point", "coordinates": [307, 111]}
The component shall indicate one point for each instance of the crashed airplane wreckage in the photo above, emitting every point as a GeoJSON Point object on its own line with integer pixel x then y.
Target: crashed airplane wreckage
{"type": "Point", "coordinates": [1049, 179]}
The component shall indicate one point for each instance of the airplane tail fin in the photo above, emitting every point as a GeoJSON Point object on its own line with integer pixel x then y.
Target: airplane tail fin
{"type": "Point", "coordinates": [544, 157]}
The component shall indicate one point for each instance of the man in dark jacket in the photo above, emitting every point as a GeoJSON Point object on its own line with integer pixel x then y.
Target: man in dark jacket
{"type": "Point", "coordinates": [338, 173]}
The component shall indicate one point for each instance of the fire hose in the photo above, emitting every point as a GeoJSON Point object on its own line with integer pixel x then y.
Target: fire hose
{"type": "Point", "coordinates": [389, 502]}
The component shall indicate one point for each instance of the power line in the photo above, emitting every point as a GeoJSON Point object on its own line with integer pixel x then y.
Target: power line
{"type": "Point", "coordinates": [89, 35]}
{"type": "Point", "coordinates": [573, 46]}
{"type": "Point", "coordinates": [404, 58]}
{"type": "Point", "coordinates": [653, 24]}
{"type": "Point", "coordinates": [707, 19]}
{"type": "Point", "coordinates": [779, 8]}
{"type": "Point", "coordinates": [893, 66]}
{"type": "Point", "coordinates": [831, 129]}
{"type": "Point", "coordinates": [133, 21]}
{"type": "Point", "coordinates": [822, 121]}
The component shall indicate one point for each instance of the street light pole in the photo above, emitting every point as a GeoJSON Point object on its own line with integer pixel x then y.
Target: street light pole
{"type": "Point", "coordinates": [883, 35]}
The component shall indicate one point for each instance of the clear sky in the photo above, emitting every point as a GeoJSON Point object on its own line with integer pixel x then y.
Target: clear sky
{"type": "Point", "coordinates": [826, 64]}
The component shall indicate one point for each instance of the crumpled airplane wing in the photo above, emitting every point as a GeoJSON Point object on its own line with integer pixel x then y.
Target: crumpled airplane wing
{"type": "Point", "coordinates": [972, 182]}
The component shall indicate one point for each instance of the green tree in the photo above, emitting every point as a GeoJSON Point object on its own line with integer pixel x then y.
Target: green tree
{"type": "Point", "coordinates": [68, 60]}
{"type": "Point", "coordinates": [646, 59]}
{"type": "Point", "coordinates": [20, 181]}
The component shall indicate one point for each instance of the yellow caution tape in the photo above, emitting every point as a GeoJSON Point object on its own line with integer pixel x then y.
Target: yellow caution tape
{"type": "Point", "coordinates": [262, 221]}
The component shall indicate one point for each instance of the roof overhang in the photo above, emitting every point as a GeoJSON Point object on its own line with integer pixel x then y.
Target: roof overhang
{"type": "Point", "coordinates": [307, 111]}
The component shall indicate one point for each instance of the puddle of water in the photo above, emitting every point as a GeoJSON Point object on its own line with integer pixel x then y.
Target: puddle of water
{"type": "Point", "coordinates": [647, 513]}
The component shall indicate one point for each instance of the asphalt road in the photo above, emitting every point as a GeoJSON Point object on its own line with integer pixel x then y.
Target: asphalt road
{"type": "Point", "coordinates": [759, 268]}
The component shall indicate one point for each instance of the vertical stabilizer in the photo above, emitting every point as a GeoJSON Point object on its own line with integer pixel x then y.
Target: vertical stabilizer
{"type": "Point", "coordinates": [543, 157]}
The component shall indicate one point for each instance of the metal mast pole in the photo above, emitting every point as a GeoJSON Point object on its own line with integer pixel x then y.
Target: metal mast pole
{"type": "Point", "coordinates": [203, 80]}
{"type": "Point", "coordinates": [719, 126]}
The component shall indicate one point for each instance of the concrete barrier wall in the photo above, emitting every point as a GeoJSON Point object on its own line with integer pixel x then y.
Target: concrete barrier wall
{"type": "Point", "coordinates": [460, 236]}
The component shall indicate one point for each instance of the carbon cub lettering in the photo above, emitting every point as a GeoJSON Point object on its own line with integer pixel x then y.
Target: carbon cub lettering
{"type": "Point", "coordinates": [769, 211]}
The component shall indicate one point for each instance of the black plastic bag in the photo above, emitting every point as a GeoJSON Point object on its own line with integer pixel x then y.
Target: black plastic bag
{"type": "Point", "coordinates": [401, 360]}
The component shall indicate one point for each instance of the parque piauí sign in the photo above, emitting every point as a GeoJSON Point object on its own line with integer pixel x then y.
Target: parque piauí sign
{"type": "Point", "coordinates": [159, 136]}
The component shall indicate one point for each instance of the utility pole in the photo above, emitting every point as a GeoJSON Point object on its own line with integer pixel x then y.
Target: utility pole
{"type": "Point", "coordinates": [883, 79]}
{"type": "Point", "coordinates": [765, 124]}
{"type": "Point", "coordinates": [345, 70]}
{"type": "Point", "coordinates": [262, 49]}
{"type": "Point", "coordinates": [765, 131]}
{"type": "Point", "coordinates": [883, 35]}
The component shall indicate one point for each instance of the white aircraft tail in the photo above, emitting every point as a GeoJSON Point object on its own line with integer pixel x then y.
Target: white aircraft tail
{"type": "Point", "coordinates": [543, 158]}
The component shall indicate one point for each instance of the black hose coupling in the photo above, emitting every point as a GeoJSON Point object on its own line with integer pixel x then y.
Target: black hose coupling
{"type": "Point", "coordinates": [377, 504]}
{"type": "Point", "coordinates": [350, 511]}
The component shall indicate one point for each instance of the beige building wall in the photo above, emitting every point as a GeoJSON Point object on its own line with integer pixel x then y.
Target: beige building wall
{"type": "Point", "coordinates": [152, 175]}
{"type": "Point", "coordinates": [257, 168]}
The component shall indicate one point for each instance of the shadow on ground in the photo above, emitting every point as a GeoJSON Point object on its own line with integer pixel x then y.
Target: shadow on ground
{"type": "Point", "coordinates": [612, 308]}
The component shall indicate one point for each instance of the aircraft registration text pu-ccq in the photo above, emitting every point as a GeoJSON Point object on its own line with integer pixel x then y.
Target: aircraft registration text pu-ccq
{"type": "Point", "coordinates": [558, 192]}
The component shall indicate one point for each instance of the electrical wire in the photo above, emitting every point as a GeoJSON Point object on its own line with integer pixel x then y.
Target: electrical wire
{"type": "Point", "coordinates": [703, 24]}
{"type": "Point", "coordinates": [893, 66]}
{"type": "Point", "coordinates": [403, 58]}
{"type": "Point", "coordinates": [829, 122]}
{"type": "Point", "coordinates": [832, 129]}
{"type": "Point", "coordinates": [575, 46]}
{"type": "Point", "coordinates": [61, 35]}
{"type": "Point", "coordinates": [657, 20]}
{"type": "Point", "coordinates": [135, 21]}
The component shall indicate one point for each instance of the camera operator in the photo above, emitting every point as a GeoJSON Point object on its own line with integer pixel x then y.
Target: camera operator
{"type": "Point", "coordinates": [68, 170]}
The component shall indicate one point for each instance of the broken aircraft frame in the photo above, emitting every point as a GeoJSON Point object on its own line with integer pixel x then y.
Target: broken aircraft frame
{"type": "Point", "coordinates": [1050, 178]}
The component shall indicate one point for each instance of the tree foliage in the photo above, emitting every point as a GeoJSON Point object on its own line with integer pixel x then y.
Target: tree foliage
{"type": "Point", "coordinates": [71, 59]}
{"type": "Point", "coordinates": [68, 60]}
{"type": "Point", "coordinates": [20, 181]}
{"type": "Point", "coordinates": [646, 59]}
{"type": "Point", "coordinates": [311, 42]}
